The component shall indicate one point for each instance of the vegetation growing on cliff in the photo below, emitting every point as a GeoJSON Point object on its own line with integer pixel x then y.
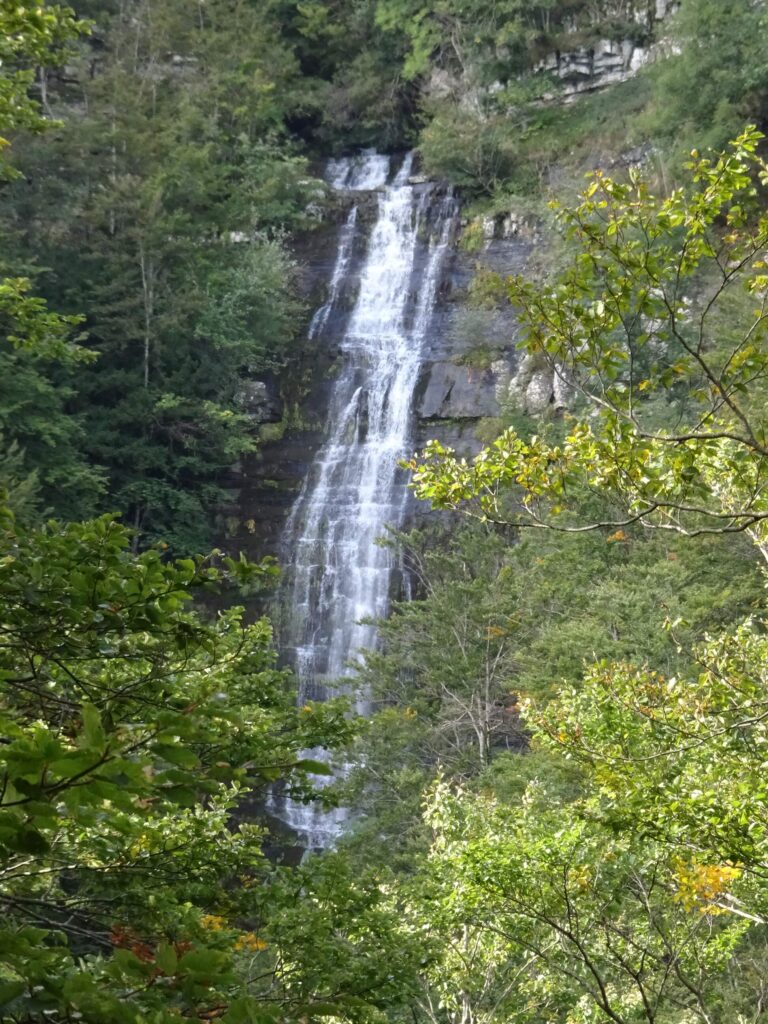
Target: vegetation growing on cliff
{"type": "Point", "coordinates": [158, 207]}
{"type": "Point", "coordinates": [561, 804]}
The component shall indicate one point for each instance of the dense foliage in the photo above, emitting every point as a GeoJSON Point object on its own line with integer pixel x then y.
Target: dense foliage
{"type": "Point", "coordinates": [628, 885]}
{"type": "Point", "coordinates": [122, 711]}
{"type": "Point", "coordinates": [499, 620]}
{"type": "Point", "coordinates": [663, 298]}
{"type": "Point", "coordinates": [158, 209]}
{"type": "Point", "coordinates": [182, 161]}
{"type": "Point", "coordinates": [560, 800]}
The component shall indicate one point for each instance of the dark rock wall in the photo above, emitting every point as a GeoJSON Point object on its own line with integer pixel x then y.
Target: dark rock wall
{"type": "Point", "coordinates": [470, 369]}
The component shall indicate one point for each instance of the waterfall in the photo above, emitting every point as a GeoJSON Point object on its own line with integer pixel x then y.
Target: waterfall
{"type": "Point", "coordinates": [340, 577]}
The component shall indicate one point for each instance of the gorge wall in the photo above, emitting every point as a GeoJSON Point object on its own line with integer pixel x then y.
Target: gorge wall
{"type": "Point", "coordinates": [467, 369]}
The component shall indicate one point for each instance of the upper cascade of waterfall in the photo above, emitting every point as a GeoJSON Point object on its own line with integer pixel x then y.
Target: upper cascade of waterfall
{"type": "Point", "coordinates": [341, 578]}
{"type": "Point", "coordinates": [366, 172]}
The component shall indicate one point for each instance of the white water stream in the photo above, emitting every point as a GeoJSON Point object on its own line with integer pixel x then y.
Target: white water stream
{"type": "Point", "coordinates": [339, 575]}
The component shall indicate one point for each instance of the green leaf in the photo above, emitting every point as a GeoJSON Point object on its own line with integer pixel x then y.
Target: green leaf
{"type": "Point", "coordinates": [245, 1010]}
{"type": "Point", "coordinates": [178, 755]}
{"type": "Point", "coordinates": [166, 958]}
{"type": "Point", "coordinates": [93, 731]}
{"type": "Point", "coordinates": [202, 963]}
{"type": "Point", "coordinates": [27, 840]}
{"type": "Point", "coordinates": [10, 990]}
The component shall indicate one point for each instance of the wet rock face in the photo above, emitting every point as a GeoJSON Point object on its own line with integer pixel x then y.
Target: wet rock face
{"type": "Point", "coordinates": [536, 388]}
{"type": "Point", "coordinates": [260, 400]}
{"type": "Point", "coordinates": [470, 356]}
{"type": "Point", "coordinates": [469, 370]}
{"type": "Point", "coordinates": [454, 392]}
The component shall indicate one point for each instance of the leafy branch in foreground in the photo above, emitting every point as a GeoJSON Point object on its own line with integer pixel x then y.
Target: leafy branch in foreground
{"type": "Point", "coordinates": [130, 730]}
{"type": "Point", "coordinates": [658, 326]}
{"type": "Point", "coordinates": [641, 896]}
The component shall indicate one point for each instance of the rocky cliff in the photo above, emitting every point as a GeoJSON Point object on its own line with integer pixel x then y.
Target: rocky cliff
{"type": "Point", "coordinates": [469, 370]}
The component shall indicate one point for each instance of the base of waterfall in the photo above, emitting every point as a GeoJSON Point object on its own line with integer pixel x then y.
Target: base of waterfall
{"type": "Point", "coordinates": [316, 827]}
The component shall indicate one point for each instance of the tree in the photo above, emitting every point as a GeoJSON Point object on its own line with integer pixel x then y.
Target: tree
{"type": "Point", "coordinates": [494, 619]}
{"type": "Point", "coordinates": [32, 35]}
{"type": "Point", "coordinates": [696, 99]}
{"type": "Point", "coordinates": [687, 749]}
{"type": "Point", "coordinates": [658, 326]}
{"type": "Point", "coordinates": [644, 897]}
{"type": "Point", "coordinates": [641, 895]}
{"type": "Point", "coordinates": [544, 913]}
{"type": "Point", "coordinates": [132, 729]}
{"type": "Point", "coordinates": [172, 244]}
{"type": "Point", "coordinates": [36, 344]}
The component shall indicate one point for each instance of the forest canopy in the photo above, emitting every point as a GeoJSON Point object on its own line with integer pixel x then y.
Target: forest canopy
{"type": "Point", "coordinates": [558, 802]}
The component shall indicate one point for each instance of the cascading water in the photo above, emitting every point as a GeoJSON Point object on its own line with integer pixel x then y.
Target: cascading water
{"type": "Point", "coordinates": [340, 575]}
